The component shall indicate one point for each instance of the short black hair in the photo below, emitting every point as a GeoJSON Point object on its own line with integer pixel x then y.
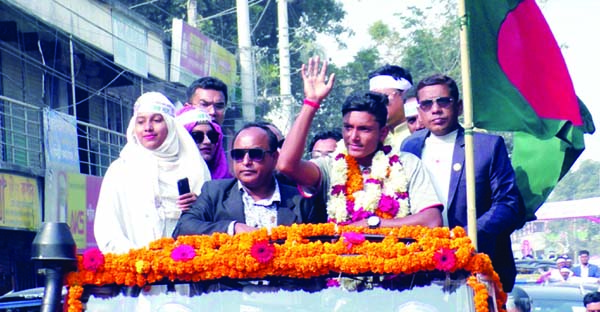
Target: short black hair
{"type": "Point", "coordinates": [439, 79]}
{"type": "Point", "coordinates": [373, 103]}
{"type": "Point", "coordinates": [272, 137]}
{"type": "Point", "coordinates": [584, 252]}
{"type": "Point", "coordinates": [392, 70]}
{"type": "Point", "coordinates": [206, 83]}
{"type": "Point", "coordinates": [329, 134]}
{"type": "Point", "coordinates": [409, 94]}
{"type": "Point", "coordinates": [591, 298]}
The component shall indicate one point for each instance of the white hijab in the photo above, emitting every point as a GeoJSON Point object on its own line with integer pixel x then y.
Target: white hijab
{"type": "Point", "coordinates": [157, 171]}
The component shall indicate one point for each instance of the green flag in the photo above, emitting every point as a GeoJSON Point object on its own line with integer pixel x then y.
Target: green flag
{"type": "Point", "coordinates": [520, 83]}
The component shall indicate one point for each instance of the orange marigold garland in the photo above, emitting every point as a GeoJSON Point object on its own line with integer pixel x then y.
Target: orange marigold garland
{"type": "Point", "coordinates": [287, 252]}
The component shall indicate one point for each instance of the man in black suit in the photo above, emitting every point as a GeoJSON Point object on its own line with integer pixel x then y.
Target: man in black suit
{"type": "Point", "coordinates": [441, 148]}
{"type": "Point", "coordinates": [254, 199]}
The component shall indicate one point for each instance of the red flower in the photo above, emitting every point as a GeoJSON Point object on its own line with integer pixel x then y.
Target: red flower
{"type": "Point", "coordinates": [394, 159]}
{"type": "Point", "coordinates": [93, 259]}
{"type": "Point", "coordinates": [262, 251]}
{"type": "Point", "coordinates": [183, 253]}
{"type": "Point", "coordinates": [445, 259]}
{"type": "Point", "coordinates": [351, 238]}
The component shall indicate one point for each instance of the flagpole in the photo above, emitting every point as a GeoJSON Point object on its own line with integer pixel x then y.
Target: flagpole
{"type": "Point", "coordinates": [468, 121]}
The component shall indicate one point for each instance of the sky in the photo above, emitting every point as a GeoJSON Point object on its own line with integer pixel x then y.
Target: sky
{"type": "Point", "coordinates": [573, 22]}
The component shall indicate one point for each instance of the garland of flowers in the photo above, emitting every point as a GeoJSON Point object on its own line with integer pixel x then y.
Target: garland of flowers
{"type": "Point", "coordinates": [384, 193]}
{"type": "Point", "coordinates": [258, 255]}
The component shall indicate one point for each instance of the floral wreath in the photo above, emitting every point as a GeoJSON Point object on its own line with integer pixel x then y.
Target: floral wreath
{"type": "Point", "coordinates": [287, 252]}
{"type": "Point", "coordinates": [384, 193]}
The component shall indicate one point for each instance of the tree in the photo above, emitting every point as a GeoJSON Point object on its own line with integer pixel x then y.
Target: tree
{"type": "Point", "coordinates": [427, 42]}
{"type": "Point", "coordinates": [579, 184]}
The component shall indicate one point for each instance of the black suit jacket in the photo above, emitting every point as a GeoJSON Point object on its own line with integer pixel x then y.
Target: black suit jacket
{"type": "Point", "coordinates": [498, 201]}
{"type": "Point", "coordinates": [220, 203]}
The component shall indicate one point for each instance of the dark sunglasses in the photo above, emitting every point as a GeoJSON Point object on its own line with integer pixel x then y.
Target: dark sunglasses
{"type": "Point", "coordinates": [255, 154]}
{"type": "Point", "coordinates": [443, 102]}
{"type": "Point", "coordinates": [198, 136]}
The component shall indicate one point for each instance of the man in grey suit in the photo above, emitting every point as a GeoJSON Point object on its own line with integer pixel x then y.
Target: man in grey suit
{"type": "Point", "coordinates": [254, 199]}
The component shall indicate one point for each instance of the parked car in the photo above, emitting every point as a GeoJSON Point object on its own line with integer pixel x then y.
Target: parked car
{"type": "Point", "coordinates": [557, 297]}
{"type": "Point", "coordinates": [28, 300]}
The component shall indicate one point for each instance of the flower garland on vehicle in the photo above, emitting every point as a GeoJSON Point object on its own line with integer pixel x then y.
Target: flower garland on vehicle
{"type": "Point", "coordinates": [258, 255]}
{"type": "Point", "coordinates": [384, 193]}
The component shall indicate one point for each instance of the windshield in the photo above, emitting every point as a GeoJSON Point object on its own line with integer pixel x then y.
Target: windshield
{"type": "Point", "coordinates": [438, 296]}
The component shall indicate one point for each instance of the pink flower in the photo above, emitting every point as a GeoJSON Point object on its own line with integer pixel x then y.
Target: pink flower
{"type": "Point", "coordinates": [445, 259]}
{"type": "Point", "coordinates": [333, 282]}
{"type": "Point", "coordinates": [359, 215]}
{"type": "Point", "coordinates": [93, 259]}
{"type": "Point", "coordinates": [262, 251]}
{"type": "Point", "coordinates": [388, 205]}
{"type": "Point", "coordinates": [339, 156]}
{"type": "Point", "coordinates": [374, 181]}
{"type": "Point", "coordinates": [394, 159]}
{"type": "Point", "coordinates": [183, 253]}
{"type": "Point", "coordinates": [350, 206]}
{"type": "Point", "coordinates": [387, 149]}
{"type": "Point", "coordinates": [337, 189]}
{"type": "Point", "coordinates": [352, 238]}
{"type": "Point", "coordinates": [402, 195]}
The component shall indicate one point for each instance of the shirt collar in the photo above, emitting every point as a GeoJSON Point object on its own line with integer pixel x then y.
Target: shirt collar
{"type": "Point", "coordinates": [276, 197]}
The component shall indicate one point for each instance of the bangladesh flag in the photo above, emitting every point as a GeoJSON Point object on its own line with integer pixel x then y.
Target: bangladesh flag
{"type": "Point", "coordinates": [520, 83]}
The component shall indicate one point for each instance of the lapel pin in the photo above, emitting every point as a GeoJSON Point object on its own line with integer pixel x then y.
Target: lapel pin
{"type": "Point", "coordinates": [456, 167]}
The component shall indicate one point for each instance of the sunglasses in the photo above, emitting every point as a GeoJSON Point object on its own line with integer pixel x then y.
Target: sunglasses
{"type": "Point", "coordinates": [255, 154]}
{"type": "Point", "coordinates": [442, 102]}
{"type": "Point", "coordinates": [198, 136]}
{"type": "Point", "coordinates": [280, 143]}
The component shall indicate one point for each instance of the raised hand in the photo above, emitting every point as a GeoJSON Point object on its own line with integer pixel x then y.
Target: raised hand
{"type": "Point", "coordinates": [315, 86]}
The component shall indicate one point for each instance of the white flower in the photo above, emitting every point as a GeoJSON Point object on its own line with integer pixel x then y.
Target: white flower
{"type": "Point", "coordinates": [379, 166]}
{"type": "Point", "coordinates": [367, 198]}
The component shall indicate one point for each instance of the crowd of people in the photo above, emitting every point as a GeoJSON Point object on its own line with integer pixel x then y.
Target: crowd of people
{"type": "Point", "coordinates": [565, 271]}
{"type": "Point", "coordinates": [397, 159]}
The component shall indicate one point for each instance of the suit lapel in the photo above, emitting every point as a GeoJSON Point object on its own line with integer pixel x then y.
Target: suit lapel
{"type": "Point", "coordinates": [234, 204]}
{"type": "Point", "coordinates": [285, 211]}
{"type": "Point", "coordinates": [457, 167]}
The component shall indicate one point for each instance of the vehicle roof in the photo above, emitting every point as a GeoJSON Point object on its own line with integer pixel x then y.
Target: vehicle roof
{"type": "Point", "coordinates": [562, 291]}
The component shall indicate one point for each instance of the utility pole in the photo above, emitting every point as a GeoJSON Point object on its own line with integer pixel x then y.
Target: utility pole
{"type": "Point", "coordinates": [246, 68]}
{"type": "Point", "coordinates": [192, 12]}
{"type": "Point", "coordinates": [285, 82]}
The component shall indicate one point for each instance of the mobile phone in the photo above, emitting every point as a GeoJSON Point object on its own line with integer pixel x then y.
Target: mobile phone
{"type": "Point", "coordinates": [183, 185]}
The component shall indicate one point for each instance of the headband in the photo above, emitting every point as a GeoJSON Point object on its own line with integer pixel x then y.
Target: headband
{"type": "Point", "coordinates": [410, 107]}
{"type": "Point", "coordinates": [385, 81]}
{"type": "Point", "coordinates": [154, 102]}
{"type": "Point", "coordinates": [193, 116]}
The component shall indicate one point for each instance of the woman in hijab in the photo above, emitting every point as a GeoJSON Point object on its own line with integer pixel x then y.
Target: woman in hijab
{"type": "Point", "coordinates": [208, 137]}
{"type": "Point", "coordinates": [139, 200]}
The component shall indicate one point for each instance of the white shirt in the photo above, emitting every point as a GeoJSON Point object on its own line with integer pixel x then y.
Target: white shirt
{"type": "Point", "coordinates": [585, 271]}
{"type": "Point", "coordinates": [261, 213]}
{"type": "Point", "coordinates": [437, 158]}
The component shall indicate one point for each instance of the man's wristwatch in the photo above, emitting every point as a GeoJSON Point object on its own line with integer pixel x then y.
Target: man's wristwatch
{"type": "Point", "coordinates": [373, 222]}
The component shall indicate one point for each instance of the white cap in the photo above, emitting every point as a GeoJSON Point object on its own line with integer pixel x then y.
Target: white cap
{"type": "Point", "coordinates": [195, 115]}
{"type": "Point", "coordinates": [154, 102]}
{"type": "Point", "coordinates": [385, 81]}
{"type": "Point", "coordinates": [410, 107]}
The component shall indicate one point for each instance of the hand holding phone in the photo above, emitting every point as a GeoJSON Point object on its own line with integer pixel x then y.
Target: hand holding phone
{"type": "Point", "coordinates": [183, 185]}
